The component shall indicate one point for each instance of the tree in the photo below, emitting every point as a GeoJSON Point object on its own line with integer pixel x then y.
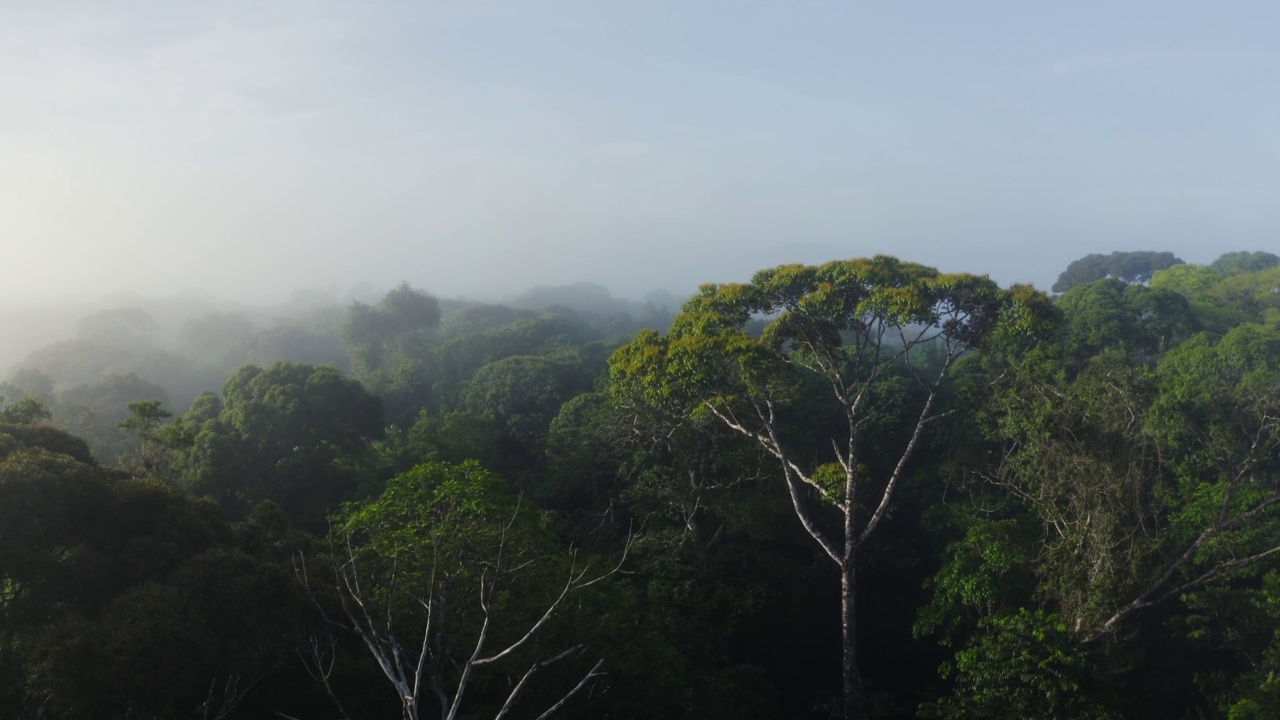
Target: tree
{"type": "Point", "coordinates": [29, 381]}
{"type": "Point", "coordinates": [442, 577]}
{"type": "Point", "coordinates": [524, 392]}
{"type": "Point", "coordinates": [878, 335]}
{"type": "Point", "coordinates": [1242, 261]}
{"type": "Point", "coordinates": [1147, 498]}
{"type": "Point", "coordinates": [1130, 267]}
{"type": "Point", "coordinates": [392, 330]}
{"type": "Point", "coordinates": [26, 411]}
{"type": "Point", "coordinates": [1104, 314]}
{"type": "Point", "coordinates": [122, 597]}
{"type": "Point", "coordinates": [294, 434]}
{"type": "Point", "coordinates": [95, 411]}
{"type": "Point", "coordinates": [1216, 421]}
{"type": "Point", "coordinates": [145, 417]}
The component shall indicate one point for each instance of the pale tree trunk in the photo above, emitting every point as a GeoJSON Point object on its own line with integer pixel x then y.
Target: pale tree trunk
{"type": "Point", "coordinates": [849, 629]}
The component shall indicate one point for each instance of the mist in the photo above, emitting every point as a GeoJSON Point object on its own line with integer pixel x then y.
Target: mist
{"type": "Point", "coordinates": [241, 151]}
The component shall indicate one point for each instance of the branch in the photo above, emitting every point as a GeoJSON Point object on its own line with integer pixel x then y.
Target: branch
{"type": "Point", "coordinates": [593, 672]}
{"type": "Point", "coordinates": [788, 468]}
{"type": "Point", "coordinates": [324, 669]}
{"type": "Point", "coordinates": [574, 582]}
{"type": "Point", "coordinates": [1220, 572]}
{"type": "Point", "coordinates": [515, 692]}
{"type": "Point", "coordinates": [771, 446]}
{"type": "Point", "coordinates": [429, 604]}
{"type": "Point", "coordinates": [1142, 600]}
{"type": "Point", "coordinates": [465, 677]}
{"type": "Point", "coordinates": [921, 422]}
{"type": "Point", "coordinates": [807, 522]}
{"type": "Point", "coordinates": [541, 621]}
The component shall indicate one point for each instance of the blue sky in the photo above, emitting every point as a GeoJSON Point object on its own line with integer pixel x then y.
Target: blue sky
{"type": "Point", "coordinates": [246, 149]}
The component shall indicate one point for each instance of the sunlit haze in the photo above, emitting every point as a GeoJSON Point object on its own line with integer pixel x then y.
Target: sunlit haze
{"type": "Point", "coordinates": [247, 149]}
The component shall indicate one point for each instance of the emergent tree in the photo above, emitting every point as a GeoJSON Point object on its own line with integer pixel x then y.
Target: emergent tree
{"type": "Point", "coordinates": [880, 335]}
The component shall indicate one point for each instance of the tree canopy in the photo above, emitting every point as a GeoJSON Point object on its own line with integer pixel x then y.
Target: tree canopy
{"type": "Point", "coordinates": [1129, 267]}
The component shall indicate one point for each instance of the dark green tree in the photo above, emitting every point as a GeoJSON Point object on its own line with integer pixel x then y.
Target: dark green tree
{"type": "Point", "coordinates": [298, 435]}
{"type": "Point", "coordinates": [1234, 263]}
{"type": "Point", "coordinates": [1130, 267]}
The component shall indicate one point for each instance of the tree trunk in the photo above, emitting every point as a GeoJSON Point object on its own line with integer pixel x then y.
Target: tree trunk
{"type": "Point", "coordinates": [849, 626]}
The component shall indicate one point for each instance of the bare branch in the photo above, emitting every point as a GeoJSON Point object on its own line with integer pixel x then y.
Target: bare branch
{"type": "Point", "coordinates": [536, 626]}
{"type": "Point", "coordinates": [1143, 599]}
{"type": "Point", "coordinates": [770, 444]}
{"type": "Point", "coordinates": [921, 422]}
{"type": "Point", "coordinates": [593, 672]}
{"type": "Point", "coordinates": [524, 679]}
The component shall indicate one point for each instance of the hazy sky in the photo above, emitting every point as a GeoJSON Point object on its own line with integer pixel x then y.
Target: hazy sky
{"type": "Point", "coordinates": [249, 148]}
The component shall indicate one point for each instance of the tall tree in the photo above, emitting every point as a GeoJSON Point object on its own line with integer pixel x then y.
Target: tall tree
{"type": "Point", "coordinates": [878, 335]}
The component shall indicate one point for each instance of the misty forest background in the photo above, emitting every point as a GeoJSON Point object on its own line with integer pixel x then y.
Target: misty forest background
{"type": "Point", "coordinates": [562, 503]}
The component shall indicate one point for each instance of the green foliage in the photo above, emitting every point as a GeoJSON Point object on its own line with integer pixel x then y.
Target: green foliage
{"type": "Point", "coordinates": [1235, 263]}
{"type": "Point", "coordinates": [144, 417]}
{"type": "Point", "coordinates": [26, 411]}
{"type": "Point", "coordinates": [1146, 484]}
{"type": "Point", "coordinates": [522, 393]}
{"type": "Point", "coordinates": [177, 646]}
{"type": "Point", "coordinates": [985, 573]}
{"type": "Point", "coordinates": [1024, 664]}
{"type": "Point", "coordinates": [313, 339]}
{"type": "Point", "coordinates": [453, 555]}
{"type": "Point", "coordinates": [96, 410]}
{"type": "Point", "coordinates": [1106, 545]}
{"type": "Point", "coordinates": [393, 330]}
{"type": "Point", "coordinates": [121, 598]}
{"type": "Point", "coordinates": [1106, 315]}
{"type": "Point", "coordinates": [850, 361]}
{"type": "Point", "coordinates": [848, 324]}
{"type": "Point", "coordinates": [1223, 295]}
{"type": "Point", "coordinates": [474, 318]}
{"type": "Point", "coordinates": [1128, 267]}
{"type": "Point", "coordinates": [295, 434]}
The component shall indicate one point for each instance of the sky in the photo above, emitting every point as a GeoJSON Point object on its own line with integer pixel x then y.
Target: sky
{"type": "Point", "coordinates": [245, 149]}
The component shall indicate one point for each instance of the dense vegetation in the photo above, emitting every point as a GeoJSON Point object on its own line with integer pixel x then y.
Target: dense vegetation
{"type": "Point", "coordinates": [862, 489]}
